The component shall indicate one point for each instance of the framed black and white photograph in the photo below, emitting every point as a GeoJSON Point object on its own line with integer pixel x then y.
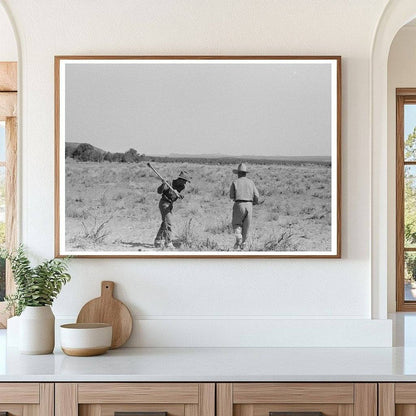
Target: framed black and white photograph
{"type": "Point", "coordinates": [197, 156]}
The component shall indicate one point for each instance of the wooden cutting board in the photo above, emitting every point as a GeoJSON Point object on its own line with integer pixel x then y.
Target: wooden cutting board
{"type": "Point", "coordinates": [107, 309]}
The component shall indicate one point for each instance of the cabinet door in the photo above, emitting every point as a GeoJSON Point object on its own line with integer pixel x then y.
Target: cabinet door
{"type": "Point", "coordinates": [397, 399]}
{"type": "Point", "coordinates": [26, 399]}
{"type": "Point", "coordinates": [144, 399]}
{"type": "Point", "coordinates": [297, 399]}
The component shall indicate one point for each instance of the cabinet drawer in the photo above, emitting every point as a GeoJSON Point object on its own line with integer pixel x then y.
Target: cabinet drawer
{"type": "Point", "coordinates": [397, 399]}
{"type": "Point", "coordinates": [108, 399]}
{"type": "Point", "coordinates": [297, 399]}
{"type": "Point", "coordinates": [22, 399]}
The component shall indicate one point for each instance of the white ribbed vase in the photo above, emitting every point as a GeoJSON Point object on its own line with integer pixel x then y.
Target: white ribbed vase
{"type": "Point", "coordinates": [37, 330]}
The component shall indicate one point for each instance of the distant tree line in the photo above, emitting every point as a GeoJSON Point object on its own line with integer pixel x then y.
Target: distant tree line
{"type": "Point", "coordinates": [235, 160]}
{"type": "Point", "coordinates": [85, 152]}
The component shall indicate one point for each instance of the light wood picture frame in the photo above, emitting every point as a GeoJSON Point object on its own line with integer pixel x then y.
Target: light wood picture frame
{"type": "Point", "coordinates": [201, 122]}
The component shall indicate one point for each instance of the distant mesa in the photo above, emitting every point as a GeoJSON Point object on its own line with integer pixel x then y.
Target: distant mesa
{"type": "Point", "coordinates": [318, 159]}
{"type": "Point", "coordinates": [85, 152]}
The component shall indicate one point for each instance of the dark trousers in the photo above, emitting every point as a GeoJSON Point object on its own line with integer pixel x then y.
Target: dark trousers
{"type": "Point", "coordinates": [165, 229]}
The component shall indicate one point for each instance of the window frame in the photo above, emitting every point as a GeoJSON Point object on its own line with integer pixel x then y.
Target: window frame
{"type": "Point", "coordinates": [403, 96]}
{"type": "Point", "coordinates": [8, 113]}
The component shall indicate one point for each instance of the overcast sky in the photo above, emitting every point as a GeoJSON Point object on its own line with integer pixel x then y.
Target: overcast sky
{"type": "Point", "coordinates": [232, 109]}
{"type": "Point", "coordinates": [409, 119]}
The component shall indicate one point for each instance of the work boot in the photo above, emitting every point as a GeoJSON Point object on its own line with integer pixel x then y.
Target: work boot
{"type": "Point", "coordinates": [237, 245]}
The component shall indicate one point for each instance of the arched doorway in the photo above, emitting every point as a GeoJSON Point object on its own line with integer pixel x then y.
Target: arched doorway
{"type": "Point", "coordinates": [8, 149]}
{"type": "Point", "coordinates": [396, 14]}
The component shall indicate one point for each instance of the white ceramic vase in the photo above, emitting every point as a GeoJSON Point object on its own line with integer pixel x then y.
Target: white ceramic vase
{"type": "Point", "coordinates": [37, 330]}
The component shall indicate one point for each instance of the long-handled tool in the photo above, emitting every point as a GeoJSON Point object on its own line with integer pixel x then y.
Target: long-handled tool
{"type": "Point", "coordinates": [165, 181]}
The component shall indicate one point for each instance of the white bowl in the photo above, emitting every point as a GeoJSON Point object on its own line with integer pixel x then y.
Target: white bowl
{"type": "Point", "coordinates": [83, 340]}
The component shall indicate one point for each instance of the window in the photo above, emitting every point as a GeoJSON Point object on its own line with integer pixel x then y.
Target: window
{"type": "Point", "coordinates": [406, 199]}
{"type": "Point", "coordinates": [8, 171]}
{"type": "Point", "coordinates": [2, 206]}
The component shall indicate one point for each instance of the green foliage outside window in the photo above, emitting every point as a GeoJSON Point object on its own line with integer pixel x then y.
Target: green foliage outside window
{"type": "Point", "coordinates": [410, 206]}
{"type": "Point", "coordinates": [2, 237]}
{"type": "Point", "coordinates": [2, 234]}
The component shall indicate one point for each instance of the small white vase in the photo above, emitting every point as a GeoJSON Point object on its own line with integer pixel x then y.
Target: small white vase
{"type": "Point", "coordinates": [37, 330]}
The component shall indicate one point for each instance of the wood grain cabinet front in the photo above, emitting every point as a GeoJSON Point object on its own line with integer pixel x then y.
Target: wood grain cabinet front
{"type": "Point", "coordinates": [297, 399]}
{"type": "Point", "coordinates": [26, 399]}
{"type": "Point", "coordinates": [397, 399]}
{"type": "Point", "coordinates": [141, 399]}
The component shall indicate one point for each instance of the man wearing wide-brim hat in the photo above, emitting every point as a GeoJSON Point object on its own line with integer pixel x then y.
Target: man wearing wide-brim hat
{"type": "Point", "coordinates": [164, 235]}
{"type": "Point", "coordinates": [244, 194]}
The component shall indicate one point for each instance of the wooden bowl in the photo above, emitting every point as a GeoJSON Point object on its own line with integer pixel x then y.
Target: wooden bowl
{"type": "Point", "coordinates": [84, 340]}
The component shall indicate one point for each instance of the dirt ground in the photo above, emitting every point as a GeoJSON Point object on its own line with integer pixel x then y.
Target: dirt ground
{"type": "Point", "coordinates": [114, 207]}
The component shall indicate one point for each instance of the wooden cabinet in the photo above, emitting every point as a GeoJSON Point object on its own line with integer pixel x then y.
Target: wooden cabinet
{"type": "Point", "coordinates": [208, 399]}
{"type": "Point", "coordinates": [106, 399]}
{"type": "Point", "coordinates": [27, 399]}
{"type": "Point", "coordinates": [297, 399]}
{"type": "Point", "coordinates": [397, 399]}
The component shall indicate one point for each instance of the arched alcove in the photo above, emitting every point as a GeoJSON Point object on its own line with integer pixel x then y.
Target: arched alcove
{"type": "Point", "coordinates": [8, 43]}
{"type": "Point", "coordinates": [396, 14]}
{"type": "Point", "coordinates": [9, 57]}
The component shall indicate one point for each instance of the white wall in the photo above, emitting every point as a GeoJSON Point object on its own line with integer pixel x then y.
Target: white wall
{"type": "Point", "coordinates": [401, 74]}
{"type": "Point", "coordinates": [179, 302]}
{"type": "Point", "coordinates": [8, 47]}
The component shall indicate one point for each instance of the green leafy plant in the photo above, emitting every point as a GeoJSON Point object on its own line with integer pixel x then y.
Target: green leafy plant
{"type": "Point", "coordinates": [35, 286]}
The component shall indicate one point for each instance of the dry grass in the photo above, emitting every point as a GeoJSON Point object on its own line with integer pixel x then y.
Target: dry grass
{"type": "Point", "coordinates": [114, 207]}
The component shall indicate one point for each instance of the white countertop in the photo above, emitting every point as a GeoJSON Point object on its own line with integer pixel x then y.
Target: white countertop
{"type": "Point", "coordinates": [213, 364]}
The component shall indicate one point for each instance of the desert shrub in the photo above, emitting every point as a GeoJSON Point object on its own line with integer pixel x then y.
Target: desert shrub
{"type": "Point", "coordinates": [74, 212]}
{"type": "Point", "coordinates": [193, 190]}
{"type": "Point", "coordinates": [119, 196]}
{"type": "Point", "coordinates": [283, 242]}
{"type": "Point", "coordinates": [316, 216]}
{"type": "Point", "coordinates": [306, 210]}
{"type": "Point", "coordinates": [208, 245]}
{"type": "Point", "coordinates": [103, 200]}
{"type": "Point", "coordinates": [222, 227]}
{"type": "Point", "coordinates": [273, 216]}
{"type": "Point", "coordinates": [96, 231]}
{"type": "Point", "coordinates": [143, 174]}
{"type": "Point", "coordinates": [187, 237]}
{"type": "Point", "coordinates": [2, 233]}
{"type": "Point", "coordinates": [266, 192]}
{"type": "Point", "coordinates": [222, 190]}
{"type": "Point", "coordinates": [320, 195]}
{"type": "Point", "coordinates": [298, 190]}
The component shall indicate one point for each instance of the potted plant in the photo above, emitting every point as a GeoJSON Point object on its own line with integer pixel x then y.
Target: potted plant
{"type": "Point", "coordinates": [36, 289]}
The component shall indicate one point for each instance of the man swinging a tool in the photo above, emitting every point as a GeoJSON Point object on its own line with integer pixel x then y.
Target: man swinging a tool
{"type": "Point", "coordinates": [170, 193]}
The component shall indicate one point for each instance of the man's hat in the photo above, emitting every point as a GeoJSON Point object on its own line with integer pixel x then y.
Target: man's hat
{"type": "Point", "coordinates": [185, 176]}
{"type": "Point", "coordinates": [242, 168]}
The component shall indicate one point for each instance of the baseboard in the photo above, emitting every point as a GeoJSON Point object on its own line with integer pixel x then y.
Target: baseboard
{"type": "Point", "coordinates": [248, 332]}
